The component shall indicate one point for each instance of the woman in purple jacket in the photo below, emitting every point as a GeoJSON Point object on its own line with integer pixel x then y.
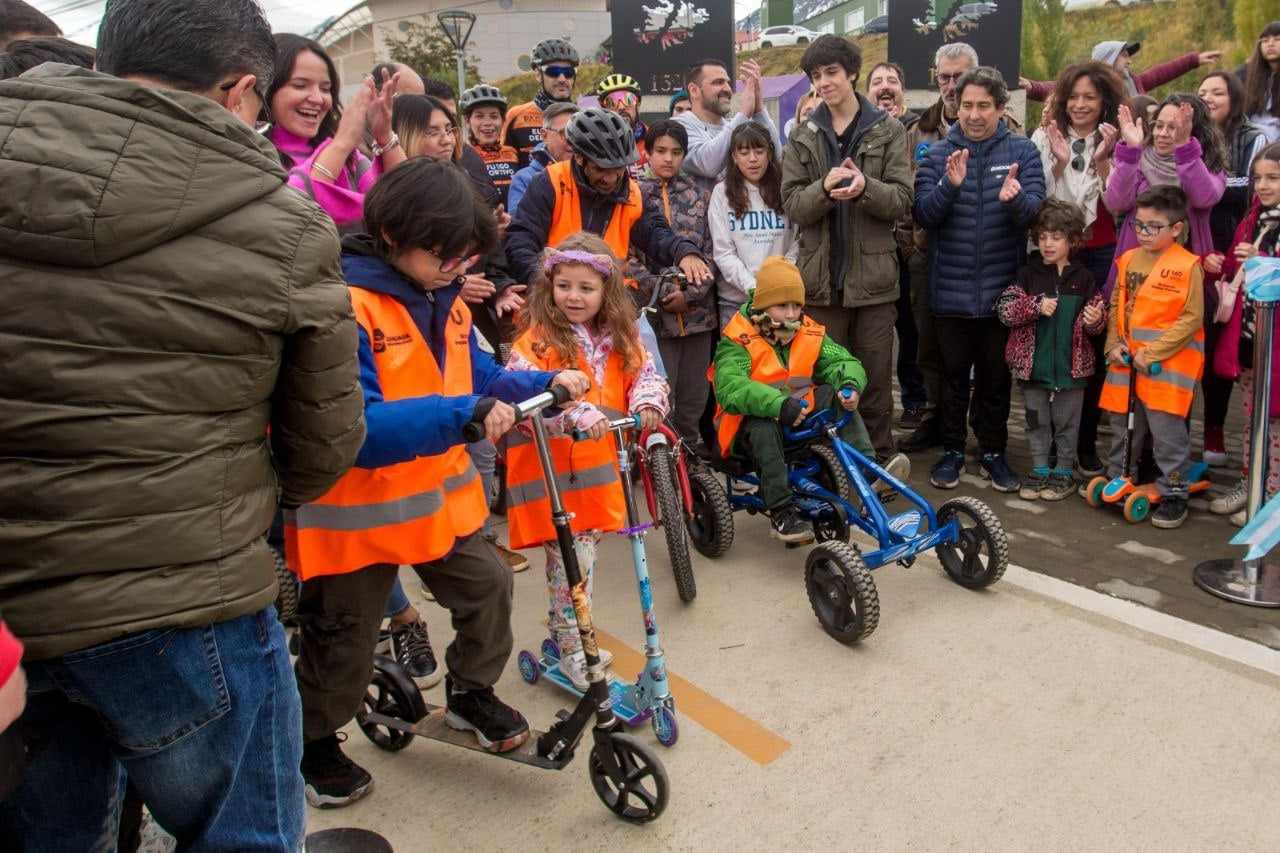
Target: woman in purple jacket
{"type": "Point", "coordinates": [1181, 148]}
{"type": "Point", "coordinates": [318, 140]}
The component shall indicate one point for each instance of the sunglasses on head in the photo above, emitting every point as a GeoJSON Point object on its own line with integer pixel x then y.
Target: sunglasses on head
{"type": "Point", "coordinates": [568, 72]}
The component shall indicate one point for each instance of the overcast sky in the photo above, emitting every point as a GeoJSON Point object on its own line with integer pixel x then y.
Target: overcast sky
{"type": "Point", "coordinates": [79, 18]}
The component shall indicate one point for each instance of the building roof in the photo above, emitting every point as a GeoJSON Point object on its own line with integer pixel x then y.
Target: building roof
{"type": "Point", "coordinates": [356, 18]}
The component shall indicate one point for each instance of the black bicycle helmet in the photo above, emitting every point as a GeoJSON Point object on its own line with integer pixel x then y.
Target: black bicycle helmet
{"type": "Point", "coordinates": [554, 50]}
{"type": "Point", "coordinates": [480, 96]}
{"type": "Point", "coordinates": [602, 137]}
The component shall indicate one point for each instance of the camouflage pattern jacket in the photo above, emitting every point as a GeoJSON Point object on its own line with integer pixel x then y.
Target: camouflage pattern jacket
{"type": "Point", "coordinates": [683, 203]}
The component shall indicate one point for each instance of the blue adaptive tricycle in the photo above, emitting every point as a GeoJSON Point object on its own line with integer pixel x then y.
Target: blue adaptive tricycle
{"type": "Point", "coordinates": [831, 480]}
{"type": "Point", "coordinates": [649, 698]}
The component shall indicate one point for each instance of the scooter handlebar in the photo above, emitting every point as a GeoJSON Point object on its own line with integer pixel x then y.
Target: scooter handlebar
{"type": "Point", "coordinates": [629, 422]}
{"type": "Point", "coordinates": [1153, 369]}
{"type": "Point", "coordinates": [557, 395]}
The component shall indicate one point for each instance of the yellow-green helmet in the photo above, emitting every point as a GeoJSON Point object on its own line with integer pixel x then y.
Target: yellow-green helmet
{"type": "Point", "coordinates": [618, 83]}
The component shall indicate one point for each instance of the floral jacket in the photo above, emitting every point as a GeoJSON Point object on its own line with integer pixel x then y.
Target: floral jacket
{"type": "Point", "coordinates": [1018, 307]}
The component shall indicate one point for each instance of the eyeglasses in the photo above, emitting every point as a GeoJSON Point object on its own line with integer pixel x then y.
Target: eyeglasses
{"type": "Point", "coordinates": [949, 78]}
{"type": "Point", "coordinates": [566, 71]}
{"type": "Point", "coordinates": [1077, 148]}
{"type": "Point", "coordinates": [448, 264]}
{"type": "Point", "coordinates": [438, 132]}
{"type": "Point", "coordinates": [1148, 229]}
{"type": "Point", "coordinates": [622, 99]}
{"type": "Point", "coordinates": [262, 99]}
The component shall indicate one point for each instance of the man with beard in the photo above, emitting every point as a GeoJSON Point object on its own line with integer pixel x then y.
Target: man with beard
{"type": "Point", "coordinates": [620, 93]}
{"type": "Point", "coordinates": [887, 90]}
{"type": "Point", "coordinates": [593, 192]}
{"type": "Point", "coordinates": [951, 62]}
{"type": "Point", "coordinates": [555, 61]}
{"type": "Point", "coordinates": [711, 94]}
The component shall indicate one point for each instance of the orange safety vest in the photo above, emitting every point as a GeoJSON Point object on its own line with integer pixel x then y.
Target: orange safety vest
{"type": "Point", "coordinates": [796, 378]}
{"type": "Point", "coordinates": [586, 471]}
{"type": "Point", "coordinates": [566, 219]}
{"type": "Point", "coordinates": [1157, 306]}
{"type": "Point", "coordinates": [410, 512]}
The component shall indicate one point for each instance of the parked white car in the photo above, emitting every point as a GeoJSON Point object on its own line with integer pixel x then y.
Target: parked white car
{"type": "Point", "coordinates": [787, 36]}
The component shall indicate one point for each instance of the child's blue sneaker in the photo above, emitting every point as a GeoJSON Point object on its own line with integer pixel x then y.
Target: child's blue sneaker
{"type": "Point", "coordinates": [946, 472]}
{"type": "Point", "coordinates": [997, 470]}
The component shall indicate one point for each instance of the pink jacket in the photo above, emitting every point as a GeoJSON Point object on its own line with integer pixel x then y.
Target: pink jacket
{"type": "Point", "coordinates": [343, 201]}
{"type": "Point", "coordinates": [1226, 355]}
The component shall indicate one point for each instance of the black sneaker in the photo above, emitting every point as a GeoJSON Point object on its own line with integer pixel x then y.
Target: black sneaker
{"type": "Point", "coordinates": [333, 780]}
{"type": "Point", "coordinates": [946, 472]}
{"type": "Point", "coordinates": [927, 435]}
{"type": "Point", "coordinates": [1170, 513]}
{"type": "Point", "coordinates": [1061, 485]}
{"type": "Point", "coordinates": [789, 526]}
{"type": "Point", "coordinates": [913, 416]}
{"type": "Point", "coordinates": [1088, 465]}
{"type": "Point", "coordinates": [997, 470]}
{"type": "Point", "coordinates": [411, 648]}
{"type": "Point", "coordinates": [498, 727]}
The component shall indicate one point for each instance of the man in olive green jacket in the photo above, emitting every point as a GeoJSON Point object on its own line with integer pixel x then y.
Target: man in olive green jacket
{"type": "Point", "coordinates": [180, 356]}
{"type": "Point", "coordinates": [846, 181]}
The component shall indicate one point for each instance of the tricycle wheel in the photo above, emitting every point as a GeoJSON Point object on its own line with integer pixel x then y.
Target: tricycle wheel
{"type": "Point", "coordinates": [287, 594]}
{"type": "Point", "coordinates": [831, 524]}
{"type": "Point", "coordinates": [833, 477]}
{"type": "Point", "coordinates": [384, 696]}
{"type": "Point", "coordinates": [842, 592]}
{"type": "Point", "coordinates": [665, 727]}
{"type": "Point", "coordinates": [671, 517]}
{"type": "Point", "coordinates": [1136, 507]}
{"type": "Point", "coordinates": [530, 670]}
{"type": "Point", "coordinates": [711, 522]}
{"type": "Point", "coordinates": [1093, 492]}
{"type": "Point", "coordinates": [629, 778]}
{"type": "Point", "coordinates": [980, 554]}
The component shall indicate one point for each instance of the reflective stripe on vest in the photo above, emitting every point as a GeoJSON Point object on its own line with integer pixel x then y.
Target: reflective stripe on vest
{"type": "Point", "coordinates": [410, 512]}
{"type": "Point", "coordinates": [586, 471]}
{"type": "Point", "coordinates": [1159, 303]}
{"type": "Point", "coordinates": [566, 218]}
{"type": "Point", "coordinates": [796, 379]}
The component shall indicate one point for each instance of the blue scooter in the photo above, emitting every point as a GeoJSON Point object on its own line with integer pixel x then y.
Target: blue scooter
{"type": "Point", "coordinates": [649, 698]}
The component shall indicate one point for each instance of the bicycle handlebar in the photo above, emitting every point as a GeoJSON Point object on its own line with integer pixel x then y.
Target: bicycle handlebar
{"type": "Point", "coordinates": [629, 422]}
{"type": "Point", "coordinates": [557, 395]}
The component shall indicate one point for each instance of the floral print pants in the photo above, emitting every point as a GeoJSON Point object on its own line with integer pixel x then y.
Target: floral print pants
{"type": "Point", "coordinates": [561, 619]}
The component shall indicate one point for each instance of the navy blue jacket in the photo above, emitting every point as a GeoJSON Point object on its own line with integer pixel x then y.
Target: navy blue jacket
{"type": "Point", "coordinates": [401, 430]}
{"type": "Point", "coordinates": [976, 243]}
{"type": "Point", "coordinates": [531, 225]}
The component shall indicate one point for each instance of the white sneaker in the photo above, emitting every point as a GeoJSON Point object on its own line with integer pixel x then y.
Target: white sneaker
{"type": "Point", "coordinates": [1239, 518]}
{"type": "Point", "coordinates": [1231, 502]}
{"type": "Point", "coordinates": [1215, 458]}
{"type": "Point", "coordinates": [574, 667]}
{"type": "Point", "coordinates": [898, 466]}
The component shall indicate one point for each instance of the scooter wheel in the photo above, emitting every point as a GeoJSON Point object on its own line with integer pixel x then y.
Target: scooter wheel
{"type": "Point", "coordinates": [385, 697]}
{"type": "Point", "coordinates": [841, 592]}
{"type": "Point", "coordinates": [711, 523]}
{"type": "Point", "coordinates": [665, 727]}
{"type": "Point", "coordinates": [980, 554]}
{"type": "Point", "coordinates": [1136, 507]}
{"type": "Point", "coordinates": [629, 778]}
{"type": "Point", "coordinates": [550, 651]}
{"type": "Point", "coordinates": [1093, 494]}
{"type": "Point", "coordinates": [530, 671]}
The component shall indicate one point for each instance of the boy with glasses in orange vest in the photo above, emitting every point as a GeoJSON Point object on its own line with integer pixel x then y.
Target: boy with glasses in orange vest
{"type": "Point", "coordinates": [1157, 317]}
{"type": "Point", "coordinates": [414, 496]}
{"type": "Point", "coordinates": [773, 366]}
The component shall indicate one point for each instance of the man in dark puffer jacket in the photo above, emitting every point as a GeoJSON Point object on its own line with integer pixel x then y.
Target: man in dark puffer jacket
{"type": "Point", "coordinates": [169, 299]}
{"type": "Point", "coordinates": [977, 191]}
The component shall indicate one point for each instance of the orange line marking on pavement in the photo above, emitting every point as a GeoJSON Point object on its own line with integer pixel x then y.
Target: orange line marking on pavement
{"type": "Point", "coordinates": [742, 733]}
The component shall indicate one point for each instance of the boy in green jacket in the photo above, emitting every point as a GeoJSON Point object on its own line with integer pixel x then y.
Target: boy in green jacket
{"type": "Point", "coordinates": [773, 366]}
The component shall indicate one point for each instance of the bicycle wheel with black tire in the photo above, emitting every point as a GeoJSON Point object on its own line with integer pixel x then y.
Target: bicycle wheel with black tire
{"type": "Point", "coordinates": [671, 516]}
{"type": "Point", "coordinates": [842, 592]}
{"type": "Point", "coordinates": [980, 555]}
{"type": "Point", "coordinates": [711, 523]}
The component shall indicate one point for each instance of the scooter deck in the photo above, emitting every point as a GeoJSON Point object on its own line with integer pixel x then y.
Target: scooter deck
{"type": "Point", "coordinates": [433, 727]}
{"type": "Point", "coordinates": [621, 693]}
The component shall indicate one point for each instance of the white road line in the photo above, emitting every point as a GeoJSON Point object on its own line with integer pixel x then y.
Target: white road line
{"type": "Point", "coordinates": [1025, 506]}
{"type": "Point", "coordinates": [974, 480]}
{"type": "Point", "coordinates": [1214, 642]}
{"type": "Point", "coordinates": [1043, 537]}
{"type": "Point", "coordinates": [1150, 552]}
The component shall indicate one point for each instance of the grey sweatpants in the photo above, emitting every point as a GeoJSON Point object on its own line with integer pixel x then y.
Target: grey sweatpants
{"type": "Point", "coordinates": [484, 455]}
{"type": "Point", "coordinates": [1053, 419]}
{"type": "Point", "coordinates": [1170, 442]}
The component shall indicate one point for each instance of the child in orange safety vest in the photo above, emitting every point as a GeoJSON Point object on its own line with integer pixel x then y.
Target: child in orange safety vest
{"type": "Point", "coordinates": [580, 315]}
{"type": "Point", "coordinates": [1157, 316]}
{"type": "Point", "coordinates": [773, 366]}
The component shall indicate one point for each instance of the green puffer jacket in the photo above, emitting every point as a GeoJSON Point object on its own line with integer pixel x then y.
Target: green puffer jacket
{"type": "Point", "coordinates": [848, 252]}
{"type": "Point", "coordinates": [738, 394]}
{"type": "Point", "coordinates": [168, 298]}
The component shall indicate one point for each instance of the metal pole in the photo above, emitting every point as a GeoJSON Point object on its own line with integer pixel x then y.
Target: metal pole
{"type": "Point", "coordinates": [462, 74]}
{"type": "Point", "coordinates": [1252, 582]}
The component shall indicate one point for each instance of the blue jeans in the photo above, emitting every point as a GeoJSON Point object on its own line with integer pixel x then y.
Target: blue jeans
{"type": "Point", "coordinates": [205, 722]}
